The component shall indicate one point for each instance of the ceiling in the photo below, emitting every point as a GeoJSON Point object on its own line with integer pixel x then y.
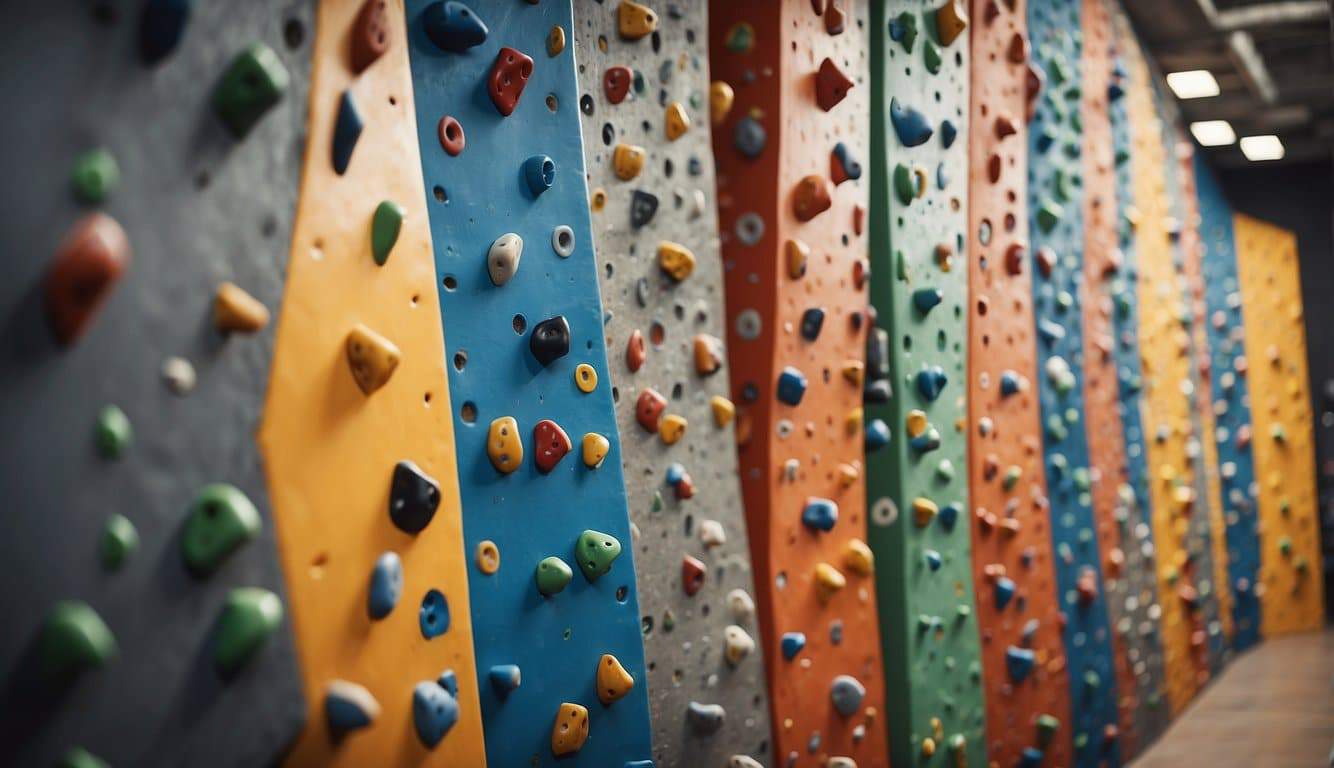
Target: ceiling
{"type": "Point", "coordinates": [1272, 60]}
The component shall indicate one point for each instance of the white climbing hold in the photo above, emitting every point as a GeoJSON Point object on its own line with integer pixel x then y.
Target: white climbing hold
{"type": "Point", "coordinates": [502, 260]}
{"type": "Point", "coordinates": [711, 533]}
{"type": "Point", "coordinates": [740, 603]}
{"type": "Point", "coordinates": [179, 375]}
{"type": "Point", "coordinates": [738, 645]}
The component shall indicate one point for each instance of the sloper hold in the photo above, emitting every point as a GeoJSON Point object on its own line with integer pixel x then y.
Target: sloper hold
{"type": "Point", "coordinates": [251, 86]}
{"type": "Point", "coordinates": [73, 638]}
{"type": "Point", "coordinates": [249, 618]}
{"type": "Point", "coordinates": [87, 266]}
{"type": "Point", "coordinates": [951, 20]}
{"type": "Point", "coordinates": [347, 130]}
{"type": "Point", "coordinates": [616, 83]}
{"type": "Point", "coordinates": [119, 541]}
{"type": "Point", "coordinates": [385, 226]}
{"type": "Point", "coordinates": [505, 678]}
{"type": "Point", "coordinates": [791, 386]}
{"type": "Point", "coordinates": [910, 125]}
{"type": "Point", "coordinates": [434, 711]}
{"type": "Point", "coordinates": [221, 519]}
{"type": "Point", "coordinates": [705, 719]}
{"type": "Point", "coordinates": [78, 757]}
{"type": "Point", "coordinates": [371, 35]}
{"type": "Point", "coordinates": [595, 552]}
{"type": "Point", "coordinates": [453, 26]}
{"type": "Point", "coordinates": [161, 26]}
{"type": "Point", "coordinates": [509, 75]}
{"type": "Point", "coordinates": [550, 340]}
{"type": "Point", "coordinates": [811, 197]}
{"type": "Point", "coordinates": [552, 576]}
{"type": "Point", "coordinates": [831, 85]}
{"type": "Point", "coordinates": [413, 498]}
{"type": "Point", "coordinates": [502, 259]}
{"type": "Point", "coordinates": [846, 694]}
{"type": "Point", "coordinates": [372, 358]}
{"type": "Point", "coordinates": [349, 706]}
{"type": "Point", "coordinates": [635, 21]}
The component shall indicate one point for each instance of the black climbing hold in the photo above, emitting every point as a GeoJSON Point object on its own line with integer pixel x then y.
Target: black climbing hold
{"type": "Point", "coordinates": [161, 27]}
{"type": "Point", "coordinates": [642, 207]}
{"type": "Point", "coordinates": [812, 320]}
{"type": "Point", "coordinates": [413, 498]}
{"type": "Point", "coordinates": [550, 340]}
{"type": "Point", "coordinates": [347, 130]}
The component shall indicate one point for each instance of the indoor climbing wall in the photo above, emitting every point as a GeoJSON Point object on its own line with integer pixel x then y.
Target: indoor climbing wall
{"type": "Point", "coordinates": [1231, 403]}
{"type": "Point", "coordinates": [1165, 361]}
{"type": "Point", "coordinates": [148, 207]}
{"type": "Point", "coordinates": [647, 92]}
{"type": "Point", "coordinates": [1292, 596]}
{"type": "Point", "coordinates": [1056, 199]}
{"type": "Point", "coordinates": [1106, 443]}
{"type": "Point", "coordinates": [788, 104]}
{"type": "Point", "coordinates": [559, 657]}
{"type": "Point", "coordinates": [357, 435]}
{"type": "Point", "coordinates": [1018, 614]}
{"type": "Point", "coordinates": [916, 382]}
{"type": "Point", "coordinates": [1137, 626]}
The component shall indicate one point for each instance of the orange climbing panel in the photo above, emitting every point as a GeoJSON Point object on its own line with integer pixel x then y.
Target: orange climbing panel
{"type": "Point", "coordinates": [1292, 600]}
{"type": "Point", "coordinates": [331, 451]}
{"type": "Point", "coordinates": [790, 89]}
{"type": "Point", "coordinates": [1106, 435]}
{"type": "Point", "coordinates": [1011, 536]}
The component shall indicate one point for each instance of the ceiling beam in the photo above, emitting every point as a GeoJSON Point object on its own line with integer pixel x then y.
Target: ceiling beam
{"type": "Point", "coordinates": [1271, 14]}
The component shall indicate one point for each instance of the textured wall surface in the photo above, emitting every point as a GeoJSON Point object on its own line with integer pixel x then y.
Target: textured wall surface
{"type": "Point", "coordinates": [331, 451]}
{"type": "Point", "coordinates": [1013, 575]}
{"type": "Point", "coordinates": [199, 207]}
{"type": "Point", "coordinates": [700, 646]}
{"type": "Point", "coordinates": [794, 250]}
{"type": "Point", "coordinates": [917, 490]}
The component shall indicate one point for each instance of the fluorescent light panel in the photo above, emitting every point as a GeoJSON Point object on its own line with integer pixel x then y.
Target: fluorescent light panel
{"type": "Point", "coordinates": [1193, 84]}
{"type": "Point", "coordinates": [1257, 148]}
{"type": "Point", "coordinates": [1213, 133]}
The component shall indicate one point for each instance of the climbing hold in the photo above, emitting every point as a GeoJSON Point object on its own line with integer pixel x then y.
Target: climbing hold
{"type": "Point", "coordinates": [95, 176]}
{"type": "Point", "coordinates": [540, 173]}
{"type": "Point", "coordinates": [858, 558]}
{"type": "Point", "coordinates": [842, 165]}
{"type": "Point", "coordinates": [737, 644]}
{"type": "Point", "coordinates": [910, 125]}
{"type": "Point", "coordinates": [627, 160]}
{"type": "Point", "coordinates": [846, 694]}
{"type": "Point", "coordinates": [877, 435]}
{"type": "Point", "coordinates": [811, 198]}
{"type": "Point", "coordinates": [550, 444]}
{"type": "Point", "coordinates": [78, 757]}
{"type": "Point", "coordinates": [487, 556]}
{"type": "Point", "coordinates": [951, 20]}
{"type": "Point", "coordinates": [85, 269]}
{"type": "Point", "coordinates": [508, 77]}
{"type": "Point", "coordinates": [1049, 215]}
{"type": "Point", "coordinates": [1048, 725]}
{"type": "Point", "coordinates": [570, 730]}
{"type": "Point", "coordinates": [385, 226]}
{"type": "Point", "coordinates": [73, 638]}
{"type": "Point", "coordinates": [348, 706]}
{"type": "Point", "coordinates": [413, 497]}
{"type": "Point", "coordinates": [831, 85]}
{"type": "Point", "coordinates": [635, 351]}
{"type": "Point", "coordinates": [1019, 662]}
{"type": "Point", "coordinates": [616, 83]}
{"type": "Point", "coordinates": [161, 26]}
{"type": "Point", "coordinates": [924, 511]}
{"type": "Point", "coordinates": [235, 311]}
{"type": "Point", "coordinates": [791, 644]}
{"type": "Point", "coordinates": [708, 354]}
{"type": "Point", "coordinates": [585, 378]}
{"type": "Point", "coordinates": [712, 534]}
{"type": "Point", "coordinates": [791, 386]}
{"type": "Point", "coordinates": [435, 709]}
{"type": "Point", "coordinates": [550, 340]}
{"type": "Point", "coordinates": [552, 576]}
{"type": "Point", "coordinates": [723, 410]}
{"type": "Point", "coordinates": [705, 719]}
{"type": "Point", "coordinates": [797, 255]}
{"type": "Point", "coordinates": [453, 27]}
{"type": "Point", "coordinates": [834, 18]}
{"type": "Point", "coordinates": [926, 442]}
{"type": "Point", "coordinates": [812, 320]}
{"type": "Point", "coordinates": [386, 585]}
{"type": "Point", "coordinates": [926, 299]}
{"type": "Point", "coordinates": [649, 408]}
{"type": "Point", "coordinates": [249, 617]}
{"type": "Point", "coordinates": [613, 680]}
{"type": "Point", "coordinates": [740, 38]}
{"type": "Point", "coordinates": [933, 559]}
{"type": "Point", "coordinates": [113, 432]}
{"type": "Point", "coordinates": [433, 617]}
{"type": "Point", "coordinates": [503, 445]}
{"type": "Point", "coordinates": [372, 358]}
{"type": "Point", "coordinates": [721, 97]}
{"type": "Point", "coordinates": [676, 122]}
{"type": "Point", "coordinates": [931, 381]}
{"type": "Point", "coordinates": [819, 514]}
{"type": "Point", "coordinates": [562, 241]}
{"type": "Point", "coordinates": [749, 137]}
{"type": "Point", "coordinates": [1004, 592]}
{"type": "Point", "coordinates": [643, 206]}
{"type": "Point", "coordinates": [119, 541]}
{"type": "Point", "coordinates": [371, 34]}
{"type": "Point", "coordinates": [905, 185]}
{"type": "Point", "coordinates": [635, 21]}
{"type": "Point", "coordinates": [555, 41]}
{"type": "Point", "coordinates": [595, 552]}
{"type": "Point", "coordinates": [828, 581]}
{"type": "Point", "coordinates": [220, 520]}
{"type": "Point", "coordinates": [254, 82]}
{"type": "Point", "coordinates": [676, 260]}
{"type": "Point", "coordinates": [693, 572]}
{"type": "Point", "coordinates": [672, 428]}
{"type": "Point", "coordinates": [450, 132]}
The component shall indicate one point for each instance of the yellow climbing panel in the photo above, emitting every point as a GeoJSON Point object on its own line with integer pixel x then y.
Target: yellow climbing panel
{"type": "Point", "coordinates": [1281, 419]}
{"type": "Point", "coordinates": [330, 451]}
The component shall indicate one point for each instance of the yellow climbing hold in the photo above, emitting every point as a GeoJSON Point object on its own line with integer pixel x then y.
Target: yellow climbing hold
{"type": "Point", "coordinates": [597, 200]}
{"type": "Point", "coordinates": [627, 160]}
{"type": "Point", "coordinates": [928, 747]}
{"type": "Point", "coordinates": [951, 20]}
{"type": "Point", "coordinates": [613, 680]}
{"type": "Point", "coordinates": [858, 558]}
{"type": "Point", "coordinates": [372, 358]}
{"type": "Point", "coordinates": [556, 41]}
{"type": "Point", "coordinates": [853, 421]}
{"type": "Point", "coordinates": [676, 260]}
{"type": "Point", "coordinates": [672, 428]}
{"type": "Point", "coordinates": [570, 730]}
{"type": "Point", "coordinates": [916, 422]}
{"type": "Point", "coordinates": [848, 474]}
{"type": "Point", "coordinates": [234, 310]}
{"type": "Point", "coordinates": [488, 557]}
{"type": "Point", "coordinates": [585, 377]}
{"type": "Point", "coordinates": [797, 255]}
{"type": "Point", "coordinates": [923, 511]}
{"type": "Point", "coordinates": [723, 410]}
{"type": "Point", "coordinates": [854, 371]}
{"type": "Point", "coordinates": [677, 122]}
{"type": "Point", "coordinates": [635, 21]}
{"type": "Point", "coordinates": [595, 449]}
{"type": "Point", "coordinates": [828, 581]}
{"type": "Point", "coordinates": [504, 445]}
{"type": "Point", "coordinates": [721, 97]}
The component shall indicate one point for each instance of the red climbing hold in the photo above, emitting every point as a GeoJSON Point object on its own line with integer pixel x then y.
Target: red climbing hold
{"type": "Point", "coordinates": [551, 444]}
{"type": "Point", "coordinates": [811, 198]}
{"type": "Point", "coordinates": [692, 574]}
{"type": "Point", "coordinates": [616, 83]}
{"type": "Point", "coordinates": [635, 353]}
{"type": "Point", "coordinates": [1014, 258]}
{"type": "Point", "coordinates": [834, 17]}
{"type": "Point", "coordinates": [370, 34]}
{"type": "Point", "coordinates": [86, 268]}
{"type": "Point", "coordinates": [508, 77]}
{"type": "Point", "coordinates": [649, 408]}
{"type": "Point", "coordinates": [831, 85]}
{"type": "Point", "coordinates": [452, 139]}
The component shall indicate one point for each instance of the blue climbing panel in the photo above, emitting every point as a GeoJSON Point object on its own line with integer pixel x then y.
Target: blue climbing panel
{"type": "Point", "coordinates": [1231, 403]}
{"type": "Point", "coordinates": [494, 335]}
{"type": "Point", "coordinates": [1056, 223]}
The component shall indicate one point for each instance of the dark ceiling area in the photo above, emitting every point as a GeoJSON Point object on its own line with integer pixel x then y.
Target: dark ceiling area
{"type": "Point", "coordinates": [1272, 60]}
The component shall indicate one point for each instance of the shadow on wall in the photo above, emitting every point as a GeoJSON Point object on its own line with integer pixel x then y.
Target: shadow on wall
{"type": "Point", "coordinates": [1300, 197]}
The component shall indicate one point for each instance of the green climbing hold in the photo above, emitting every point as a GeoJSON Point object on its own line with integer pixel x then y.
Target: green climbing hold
{"type": "Point", "coordinates": [553, 575]}
{"type": "Point", "coordinates": [74, 638]}
{"type": "Point", "coordinates": [1047, 728]}
{"type": "Point", "coordinates": [740, 38]}
{"type": "Point", "coordinates": [95, 176]}
{"type": "Point", "coordinates": [904, 186]}
{"type": "Point", "coordinates": [251, 86]}
{"type": "Point", "coordinates": [904, 29]}
{"type": "Point", "coordinates": [78, 757]}
{"type": "Point", "coordinates": [1060, 186]}
{"type": "Point", "coordinates": [385, 227]}
{"type": "Point", "coordinates": [249, 617]}
{"type": "Point", "coordinates": [114, 432]}
{"type": "Point", "coordinates": [1058, 70]}
{"type": "Point", "coordinates": [931, 53]}
{"type": "Point", "coordinates": [1049, 215]}
{"type": "Point", "coordinates": [119, 541]}
{"type": "Point", "coordinates": [221, 519]}
{"type": "Point", "coordinates": [595, 552]}
{"type": "Point", "coordinates": [1091, 680]}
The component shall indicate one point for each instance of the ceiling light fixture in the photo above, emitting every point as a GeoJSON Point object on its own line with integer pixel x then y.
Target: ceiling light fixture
{"type": "Point", "coordinates": [1193, 84]}
{"type": "Point", "coordinates": [1213, 133]}
{"type": "Point", "coordinates": [1257, 148]}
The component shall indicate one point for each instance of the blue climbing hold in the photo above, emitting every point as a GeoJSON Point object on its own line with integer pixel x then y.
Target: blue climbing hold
{"type": "Point", "coordinates": [1115, 91]}
{"type": "Point", "coordinates": [1009, 383]}
{"type": "Point", "coordinates": [847, 693]}
{"type": "Point", "coordinates": [504, 678]}
{"type": "Point", "coordinates": [540, 173]}
{"type": "Point", "coordinates": [386, 585]}
{"type": "Point", "coordinates": [675, 473]}
{"type": "Point", "coordinates": [348, 706]}
{"type": "Point", "coordinates": [434, 712]}
{"type": "Point", "coordinates": [819, 514]}
{"type": "Point", "coordinates": [1031, 757]}
{"type": "Point", "coordinates": [449, 681]}
{"type": "Point", "coordinates": [1019, 662]}
{"type": "Point", "coordinates": [161, 27]}
{"type": "Point", "coordinates": [942, 177]}
{"type": "Point", "coordinates": [947, 133]}
{"type": "Point", "coordinates": [948, 516]}
{"type": "Point", "coordinates": [931, 382]}
{"type": "Point", "coordinates": [791, 386]}
{"type": "Point", "coordinates": [925, 442]}
{"type": "Point", "coordinates": [910, 125]}
{"type": "Point", "coordinates": [347, 129]}
{"type": "Point", "coordinates": [453, 26]}
{"type": "Point", "coordinates": [933, 559]}
{"type": "Point", "coordinates": [749, 137]}
{"type": "Point", "coordinates": [1004, 592]}
{"type": "Point", "coordinates": [846, 161]}
{"type": "Point", "coordinates": [812, 320]}
{"type": "Point", "coordinates": [1045, 138]}
{"type": "Point", "coordinates": [877, 435]}
{"type": "Point", "coordinates": [434, 614]}
{"type": "Point", "coordinates": [792, 643]}
{"type": "Point", "coordinates": [926, 299]}
{"type": "Point", "coordinates": [1051, 332]}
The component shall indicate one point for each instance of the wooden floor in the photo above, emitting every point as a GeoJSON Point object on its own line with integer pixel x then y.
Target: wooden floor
{"type": "Point", "coordinates": [1271, 708]}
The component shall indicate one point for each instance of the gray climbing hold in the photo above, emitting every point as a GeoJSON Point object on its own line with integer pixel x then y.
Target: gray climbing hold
{"type": "Point", "coordinates": [502, 260]}
{"type": "Point", "coordinates": [847, 693]}
{"type": "Point", "coordinates": [749, 137]}
{"type": "Point", "coordinates": [705, 718]}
